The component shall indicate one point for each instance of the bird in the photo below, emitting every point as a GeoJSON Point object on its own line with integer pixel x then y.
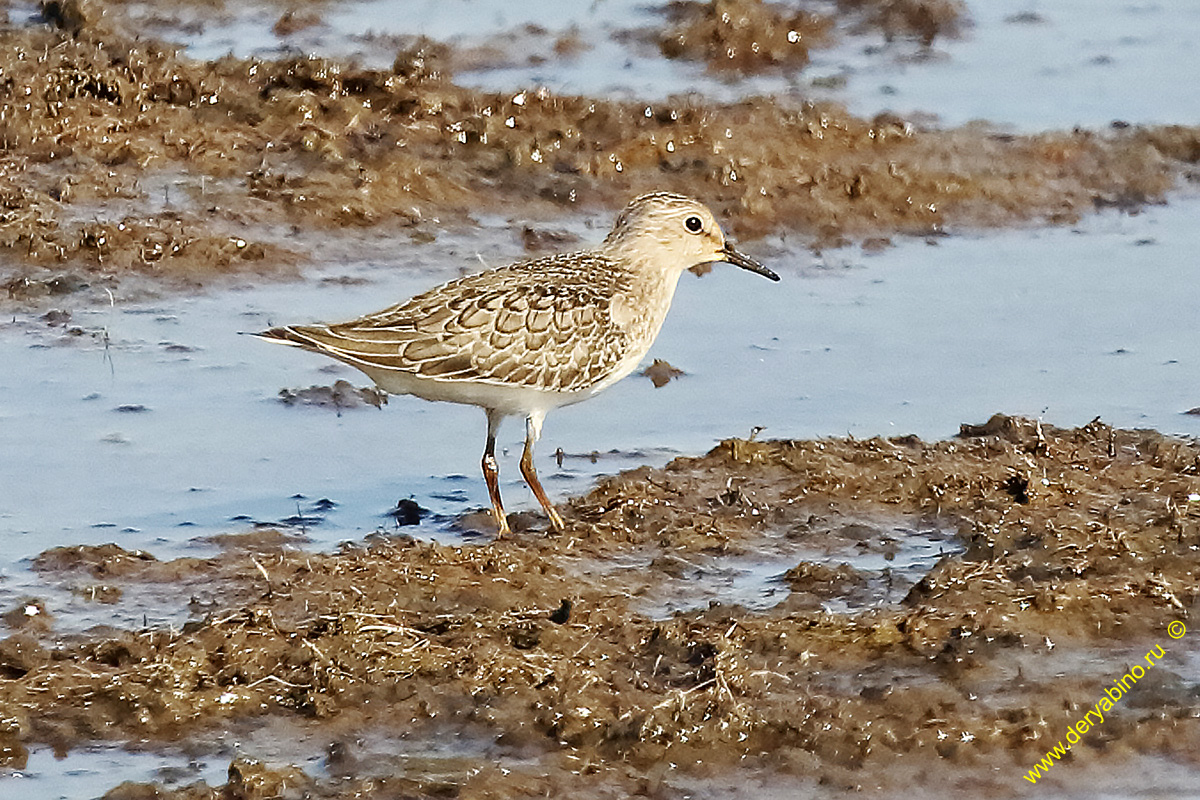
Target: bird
{"type": "Point", "coordinates": [535, 335]}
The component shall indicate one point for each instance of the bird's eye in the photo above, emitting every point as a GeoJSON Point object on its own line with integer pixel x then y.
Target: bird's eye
{"type": "Point", "coordinates": [693, 224]}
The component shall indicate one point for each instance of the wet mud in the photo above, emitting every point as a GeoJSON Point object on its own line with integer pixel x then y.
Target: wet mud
{"type": "Point", "coordinates": [743, 37]}
{"type": "Point", "coordinates": [338, 396]}
{"type": "Point", "coordinates": [121, 157]}
{"type": "Point", "coordinates": [1059, 556]}
{"type": "Point", "coordinates": [750, 36]}
{"type": "Point", "coordinates": [837, 614]}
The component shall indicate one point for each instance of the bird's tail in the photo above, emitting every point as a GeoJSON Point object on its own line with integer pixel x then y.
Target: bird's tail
{"type": "Point", "coordinates": [286, 334]}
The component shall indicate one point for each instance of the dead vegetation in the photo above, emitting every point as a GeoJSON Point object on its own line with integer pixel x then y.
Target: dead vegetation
{"type": "Point", "coordinates": [120, 156]}
{"type": "Point", "coordinates": [1076, 541]}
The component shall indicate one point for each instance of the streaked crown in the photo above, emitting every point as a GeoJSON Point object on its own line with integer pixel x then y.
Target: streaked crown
{"type": "Point", "coordinates": [670, 232]}
{"type": "Point", "coordinates": [670, 228]}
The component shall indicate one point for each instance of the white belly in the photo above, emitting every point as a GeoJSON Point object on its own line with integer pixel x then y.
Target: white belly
{"type": "Point", "coordinates": [507, 399]}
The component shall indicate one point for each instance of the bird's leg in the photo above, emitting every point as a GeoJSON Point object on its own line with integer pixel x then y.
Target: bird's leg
{"type": "Point", "coordinates": [533, 430]}
{"type": "Point", "coordinates": [491, 475]}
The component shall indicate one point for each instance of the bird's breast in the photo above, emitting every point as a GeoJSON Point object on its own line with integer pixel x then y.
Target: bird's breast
{"type": "Point", "coordinates": [639, 311]}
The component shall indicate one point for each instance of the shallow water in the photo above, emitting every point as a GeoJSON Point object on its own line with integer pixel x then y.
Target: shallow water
{"type": "Point", "coordinates": [916, 339]}
{"type": "Point", "coordinates": [887, 555]}
{"type": "Point", "coordinates": [1034, 66]}
{"type": "Point", "coordinates": [160, 424]}
{"type": "Point", "coordinates": [1021, 64]}
{"type": "Point", "coordinates": [89, 772]}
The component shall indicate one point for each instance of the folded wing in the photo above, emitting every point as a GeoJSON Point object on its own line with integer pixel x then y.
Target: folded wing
{"type": "Point", "coordinates": [542, 324]}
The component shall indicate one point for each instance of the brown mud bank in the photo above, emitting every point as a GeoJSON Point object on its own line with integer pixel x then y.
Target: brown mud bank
{"type": "Point", "coordinates": [119, 156]}
{"type": "Point", "coordinates": [553, 664]}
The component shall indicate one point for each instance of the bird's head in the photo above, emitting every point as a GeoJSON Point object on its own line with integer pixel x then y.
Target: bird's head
{"type": "Point", "coordinates": [677, 233]}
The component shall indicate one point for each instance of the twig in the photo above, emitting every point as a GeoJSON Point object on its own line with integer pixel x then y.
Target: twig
{"type": "Point", "coordinates": [279, 680]}
{"type": "Point", "coordinates": [684, 693]}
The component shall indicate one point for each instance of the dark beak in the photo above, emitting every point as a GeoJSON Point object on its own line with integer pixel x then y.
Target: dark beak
{"type": "Point", "coordinates": [746, 262]}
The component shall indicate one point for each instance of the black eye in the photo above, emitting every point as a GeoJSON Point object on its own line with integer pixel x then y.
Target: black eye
{"type": "Point", "coordinates": [693, 224]}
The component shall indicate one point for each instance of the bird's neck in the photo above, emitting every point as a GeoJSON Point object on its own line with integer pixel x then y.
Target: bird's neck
{"type": "Point", "coordinates": [642, 306]}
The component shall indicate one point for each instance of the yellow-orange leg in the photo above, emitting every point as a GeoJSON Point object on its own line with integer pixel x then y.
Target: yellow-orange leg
{"type": "Point", "coordinates": [533, 430]}
{"type": "Point", "coordinates": [491, 476]}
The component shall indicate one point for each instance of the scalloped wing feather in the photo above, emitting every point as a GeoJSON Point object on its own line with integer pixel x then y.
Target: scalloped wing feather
{"type": "Point", "coordinates": [521, 325]}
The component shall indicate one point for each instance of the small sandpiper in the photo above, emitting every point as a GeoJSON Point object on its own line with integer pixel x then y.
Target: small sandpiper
{"type": "Point", "coordinates": [537, 334]}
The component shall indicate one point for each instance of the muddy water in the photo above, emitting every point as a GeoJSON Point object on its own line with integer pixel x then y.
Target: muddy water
{"type": "Point", "coordinates": [88, 769]}
{"type": "Point", "coordinates": [880, 559]}
{"type": "Point", "coordinates": [1030, 67]}
{"type": "Point", "coordinates": [157, 423]}
{"type": "Point", "coordinates": [153, 424]}
{"type": "Point", "coordinates": [439, 653]}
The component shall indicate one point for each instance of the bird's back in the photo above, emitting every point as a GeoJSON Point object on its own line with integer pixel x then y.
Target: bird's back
{"type": "Point", "coordinates": [543, 324]}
